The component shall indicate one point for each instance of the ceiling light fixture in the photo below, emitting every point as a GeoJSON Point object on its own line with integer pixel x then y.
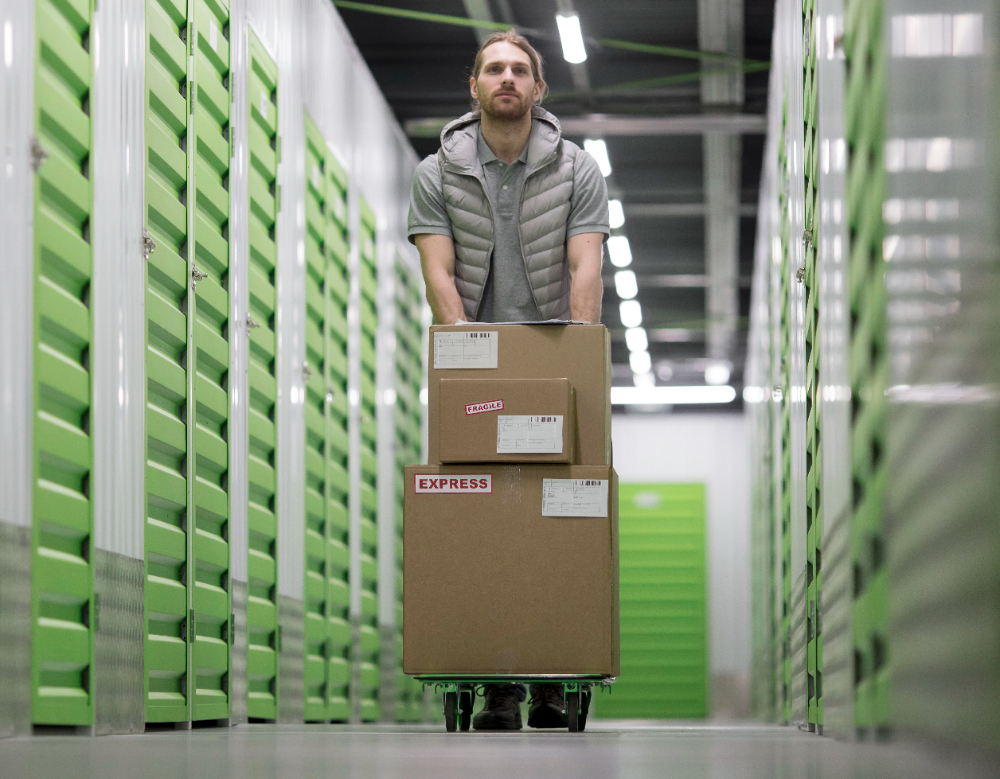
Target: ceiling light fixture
{"type": "Point", "coordinates": [572, 39]}
{"type": "Point", "coordinates": [671, 396]}
{"type": "Point", "coordinates": [643, 379]}
{"type": "Point", "coordinates": [598, 149]}
{"type": "Point", "coordinates": [717, 373]}
{"type": "Point", "coordinates": [630, 312]}
{"type": "Point", "coordinates": [616, 214]}
{"type": "Point", "coordinates": [625, 284]}
{"type": "Point", "coordinates": [635, 338]}
{"type": "Point", "coordinates": [640, 362]}
{"type": "Point", "coordinates": [619, 251]}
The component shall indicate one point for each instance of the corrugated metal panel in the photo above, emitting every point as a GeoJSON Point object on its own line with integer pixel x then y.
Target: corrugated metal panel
{"type": "Point", "coordinates": [62, 529]}
{"type": "Point", "coordinates": [941, 249]}
{"type": "Point", "coordinates": [664, 610]}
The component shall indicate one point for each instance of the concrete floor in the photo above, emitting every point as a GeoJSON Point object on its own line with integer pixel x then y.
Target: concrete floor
{"type": "Point", "coordinates": [608, 750]}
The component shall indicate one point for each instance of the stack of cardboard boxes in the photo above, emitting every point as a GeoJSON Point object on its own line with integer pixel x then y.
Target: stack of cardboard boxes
{"type": "Point", "coordinates": [510, 541]}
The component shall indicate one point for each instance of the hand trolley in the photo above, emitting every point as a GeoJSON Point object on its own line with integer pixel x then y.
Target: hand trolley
{"type": "Point", "coordinates": [460, 694]}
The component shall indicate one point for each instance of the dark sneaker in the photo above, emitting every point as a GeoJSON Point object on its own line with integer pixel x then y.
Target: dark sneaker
{"type": "Point", "coordinates": [502, 710]}
{"type": "Point", "coordinates": [547, 708]}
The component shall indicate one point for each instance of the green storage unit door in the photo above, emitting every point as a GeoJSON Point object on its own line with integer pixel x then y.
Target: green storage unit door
{"type": "Point", "coordinates": [168, 284]}
{"type": "Point", "coordinates": [868, 366]}
{"type": "Point", "coordinates": [327, 672]}
{"type": "Point", "coordinates": [369, 660]}
{"type": "Point", "coordinates": [262, 518]}
{"type": "Point", "coordinates": [408, 439]}
{"type": "Point", "coordinates": [664, 648]}
{"type": "Point", "coordinates": [336, 294]}
{"type": "Point", "coordinates": [62, 576]}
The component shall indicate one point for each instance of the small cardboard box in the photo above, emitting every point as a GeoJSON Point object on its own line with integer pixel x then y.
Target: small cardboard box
{"type": "Point", "coordinates": [507, 420]}
{"type": "Point", "coordinates": [510, 569]}
{"type": "Point", "coordinates": [579, 353]}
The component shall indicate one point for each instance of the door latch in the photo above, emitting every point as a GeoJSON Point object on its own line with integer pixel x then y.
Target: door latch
{"type": "Point", "coordinates": [38, 153]}
{"type": "Point", "coordinates": [306, 370]}
{"type": "Point", "coordinates": [196, 276]}
{"type": "Point", "coordinates": [800, 275]}
{"type": "Point", "coordinates": [252, 323]}
{"type": "Point", "coordinates": [148, 244]}
{"type": "Point", "coordinates": [807, 237]}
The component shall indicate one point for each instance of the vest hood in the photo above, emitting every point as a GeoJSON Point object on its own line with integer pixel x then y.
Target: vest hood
{"type": "Point", "coordinates": [459, 142]}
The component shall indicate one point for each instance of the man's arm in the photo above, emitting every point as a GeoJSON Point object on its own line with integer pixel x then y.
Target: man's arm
{"type": "Point", "coordinates": [437, 260]}
{"type": "Point", "coordinates": [584, 256]}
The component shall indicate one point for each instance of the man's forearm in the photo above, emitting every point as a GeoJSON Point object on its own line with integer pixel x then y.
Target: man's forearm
{"type": "Point", "coordinates": [443, 298]}
{"type": "Point", "coordinates": [583, 254]}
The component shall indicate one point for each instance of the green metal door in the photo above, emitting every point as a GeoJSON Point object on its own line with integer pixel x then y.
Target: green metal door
{"type": "Point", "coordinates": [62, 575]}
{"type": "Point", "coordinates": [664, 646]}
{"type": "Point", "coordinates": [262, 519]}
{"type": "Point", "coordinates": [167, 301]}
{"type": "Point", "coordinates": [188, 615]}
{"type": "Point", "coordinates": [369, 660]}
{"type": "Point", "coordinates": [327, 672]}
{"type": "Point", "coordinates": [407, 419]}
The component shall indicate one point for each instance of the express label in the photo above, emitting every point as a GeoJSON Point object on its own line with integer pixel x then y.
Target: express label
{"type": "Point", "coordinates": [481, 483]}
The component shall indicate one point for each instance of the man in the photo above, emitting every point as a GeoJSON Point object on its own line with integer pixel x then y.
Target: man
{"type": "Point", "coordinates": [510, 221]}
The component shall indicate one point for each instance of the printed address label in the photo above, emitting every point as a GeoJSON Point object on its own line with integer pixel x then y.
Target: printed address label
{"type": "Point", "coordinates": [480, 483]}
{"type": "Point", "coordinates": [523, 434]}
{"type": "Point", "coordinates": [574, 497]}
{"type": "Point", "coordinates": [468, 350]}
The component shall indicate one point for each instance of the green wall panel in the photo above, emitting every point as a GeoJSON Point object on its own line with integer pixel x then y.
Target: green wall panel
{"type": "Point", "coordinates": [62, 575]}
{"type": "Point", "coordinates": [664, 619]}
{"type": "Point", "coordinates": [262, 518]}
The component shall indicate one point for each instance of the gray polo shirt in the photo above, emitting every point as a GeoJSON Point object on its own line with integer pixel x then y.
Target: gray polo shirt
{"type": "Point", "coordinates": [507, 296]}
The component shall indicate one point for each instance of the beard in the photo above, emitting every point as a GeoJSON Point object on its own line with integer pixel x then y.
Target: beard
{"type": "Point", "coordinates": [506, 110]}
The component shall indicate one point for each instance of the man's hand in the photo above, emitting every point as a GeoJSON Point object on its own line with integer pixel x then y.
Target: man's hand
{"type": "Point", "coordinates": [584, 253]}
{"type": "Point", "coordinates": [437, 260]}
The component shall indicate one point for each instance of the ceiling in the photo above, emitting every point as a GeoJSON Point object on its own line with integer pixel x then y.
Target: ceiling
{"type": "Point", "coordinates": [658, 171]}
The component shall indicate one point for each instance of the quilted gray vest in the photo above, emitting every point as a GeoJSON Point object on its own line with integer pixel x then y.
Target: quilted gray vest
{"type": "Point", "coordinates": [544, 212]}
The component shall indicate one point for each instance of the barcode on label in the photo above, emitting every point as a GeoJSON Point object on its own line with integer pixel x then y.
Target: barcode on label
{"type": "Point", "coordinates": [529, 435]}
{"type": "Point", "coordinates": [574, 497]}
{"type": "Point", "coordinates": [544, 419]}
{"type": "Point", "coordinates": [588, 483]}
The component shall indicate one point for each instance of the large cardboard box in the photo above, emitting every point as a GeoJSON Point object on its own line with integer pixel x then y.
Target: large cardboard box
{"type": "Point", "coordinates": [579, 353]}
{"type": "Point", "coordinates": [502, 573]}
{"type": "Point", "coordinates": [507, 420]}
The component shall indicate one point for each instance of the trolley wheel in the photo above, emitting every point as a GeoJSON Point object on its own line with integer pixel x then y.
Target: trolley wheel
{"type": "Point", "coordinates": [585, 709]}
{"type": "Point", "coordinates": [450, 711]}
{"type": "Point", "coordinates": [466, 699]}
{"type": "Point", "coordinates": [573, 711]}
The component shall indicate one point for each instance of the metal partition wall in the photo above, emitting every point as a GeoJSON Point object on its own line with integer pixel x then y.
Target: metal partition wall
{"type": "Point", "coordinates": [182, 447]}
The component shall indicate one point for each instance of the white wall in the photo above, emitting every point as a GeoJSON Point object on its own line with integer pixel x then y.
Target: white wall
{"type": "Point", "coordinates": [713, 449]}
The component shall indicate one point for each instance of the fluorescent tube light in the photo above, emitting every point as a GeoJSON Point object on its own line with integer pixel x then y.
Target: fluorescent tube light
{"type": "Point", "coordinates": [635, 338]}
{"type": "Point", "coordinates": [616, 214]}
{"type": "Point", "coordinates": [619, 251]}
{"type": "Point", "coordinates": [630, 312]}
{"type": "Point", "coordinates": [572, 39]}
{"type": "Point", "coordinates": [599, 151]}
{"type": "Point", "coordinates": [643, 379]}
{"type": "Point", "coordinates": [717, 373]}
{"type": "Point", "coordinates": [671, 396]}
{"type": "Point", "coordinates": [625, 284]}
{"type": "Point", "coordinates": [640, 362]}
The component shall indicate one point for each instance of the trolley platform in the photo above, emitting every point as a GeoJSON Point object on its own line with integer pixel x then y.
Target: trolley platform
{"type": "Point", "coordinates": [460, 694]}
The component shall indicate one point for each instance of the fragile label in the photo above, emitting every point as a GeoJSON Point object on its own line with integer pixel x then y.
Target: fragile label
{"type": "Point", "coordinates": [478, 483]}
{"type": "Point", "coordinates": [482, 408]}
{"type": "Point", "coordinates": [530, 435]}
{"type": "Point", "coordinates": [476, 349]}
{"type": "Point", "coordinates": [574, 497]}
{"type": "Point", "coordinates": [213, 35]}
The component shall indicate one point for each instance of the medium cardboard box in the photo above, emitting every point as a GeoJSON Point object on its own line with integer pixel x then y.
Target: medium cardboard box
{"type": "Point", "coordinates": [579, 353]}
{"type": "Point", "coordinates": [491, 585]}
{"type": "Point", "coordinates": [507, 420]}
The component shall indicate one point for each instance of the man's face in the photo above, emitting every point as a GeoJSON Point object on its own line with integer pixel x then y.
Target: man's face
{"type": "Point", "coordinates": [506, 88]}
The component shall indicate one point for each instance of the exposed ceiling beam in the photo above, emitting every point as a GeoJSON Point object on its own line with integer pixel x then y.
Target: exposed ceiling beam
{"type": "Point", "coordinates": [606, 124]}
{"type": "Point", "coordinates": [479, 9]}
{"type": "Point", "coordinates": [661, 210]}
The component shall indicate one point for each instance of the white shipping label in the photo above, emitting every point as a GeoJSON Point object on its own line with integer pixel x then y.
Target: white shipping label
{"type": "Point", "coordinates": [574, 497]}
{"type": "Point", "coordinates": [263, 104]}
{"type": "Point", "coordinates": [213, 35]}
{"type": "Point", "coordinates": [476, 349]}
{"type": "Point", "coordinates": [529, 435]}
{"type": "Point", "coordinates": [453, 483]}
